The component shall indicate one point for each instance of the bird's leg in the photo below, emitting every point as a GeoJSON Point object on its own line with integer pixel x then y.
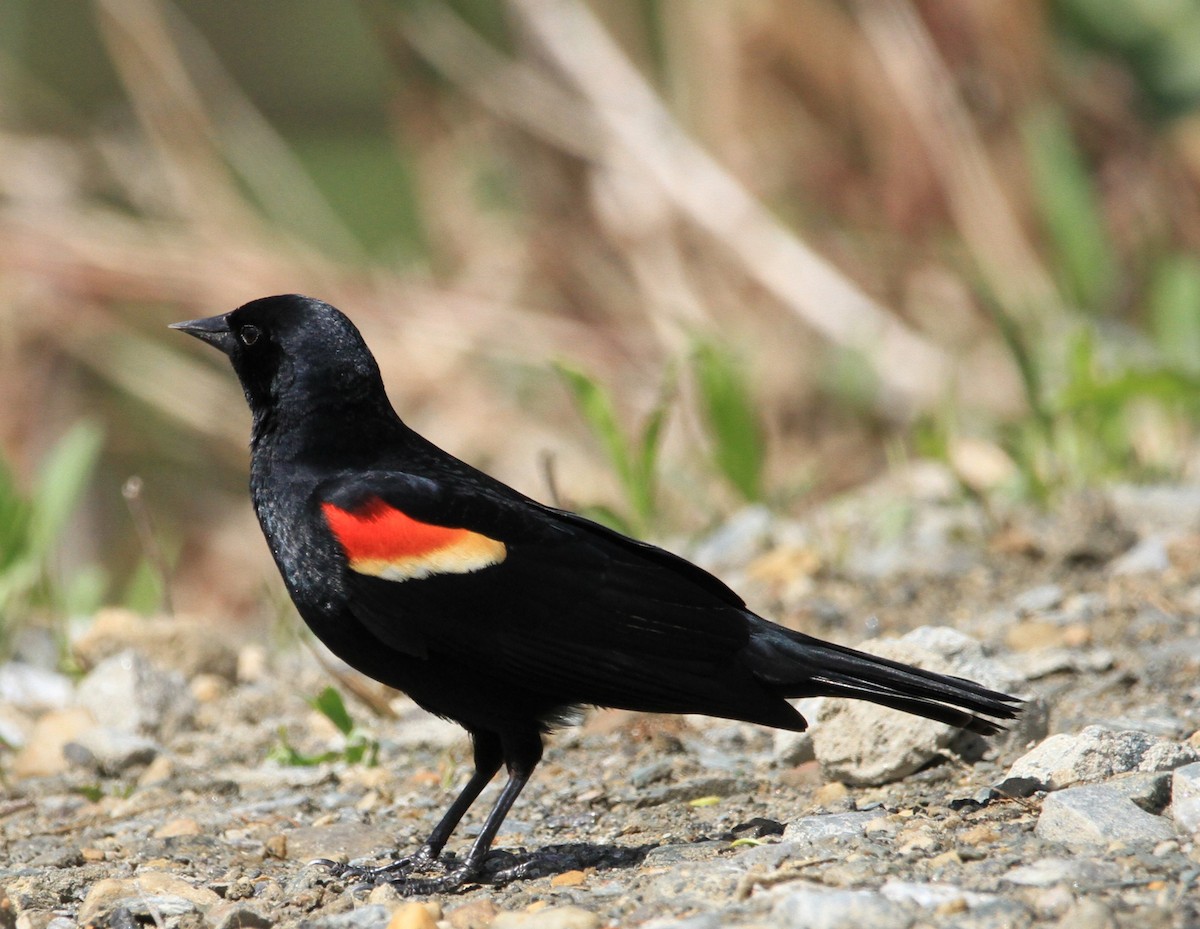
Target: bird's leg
{"type": "Point", "coordinates": [520, 757]}
{"type": "Point", "coordinates": [488, 758]}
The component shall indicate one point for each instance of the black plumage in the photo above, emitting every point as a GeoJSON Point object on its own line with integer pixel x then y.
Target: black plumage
{"type": "Point", "coordinates": [489, 608]}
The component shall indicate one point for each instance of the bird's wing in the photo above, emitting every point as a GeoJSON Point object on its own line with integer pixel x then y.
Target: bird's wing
{"type": "Point", "coordinates": [530, 593]}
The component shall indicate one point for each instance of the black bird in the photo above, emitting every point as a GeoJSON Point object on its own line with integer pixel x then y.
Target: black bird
{"type": "Point", "coordinates": [489, 608]}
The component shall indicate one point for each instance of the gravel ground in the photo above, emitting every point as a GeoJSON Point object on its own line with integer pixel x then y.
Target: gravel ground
{"type": "Point", "coordinates": [145, 792]}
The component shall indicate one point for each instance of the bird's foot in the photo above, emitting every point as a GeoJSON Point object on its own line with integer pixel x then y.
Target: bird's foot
{"type": "Point", "coordinates": [394, 872]}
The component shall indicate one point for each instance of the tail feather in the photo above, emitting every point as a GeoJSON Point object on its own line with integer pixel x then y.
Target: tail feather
{"type": "Point", "coordinates": [801, 666]}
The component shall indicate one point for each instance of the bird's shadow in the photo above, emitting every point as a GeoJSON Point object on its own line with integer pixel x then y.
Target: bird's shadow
{"type": "Point", "coordinates": [503, 865]}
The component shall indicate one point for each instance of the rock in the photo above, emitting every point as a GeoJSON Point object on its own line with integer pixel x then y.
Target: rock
{"type": "Point", "coordinates": [814, 906]}
{"type": "Point", "coordinates": [236, 914]}
{"type": "Point", "coordinates": [1149, 556]}
{"type": "Point", "coordinates": [110, 751]}
{"type": "Point", "coordinates": [371, 916]}
{"type": "Point", "coordinates": [1038, 599]}
{"type": "Point", "coordinates": [932, 896]}
{"type": "Point", "coordinates": [1096, 754]}
{"type": "Point", "coordinates": [1043, 662]}
{"type": "Point", "coordinates": [1088, 914]}
{"type": "Point", "coordinates": [1049, 871]}
{"type": "Point", "coordinates": [1173, 509]}
{"type": "Point", "coordinates": [189, 646]}
{"type": "Point", "coordinates": [860, 743]}
{"type": "Point", "coordinates": [734, 543]}
{"type": "Point", "coordinates": [794, 748]}
{"type": "Point", "coordinates": [348, 840]}
{"type": "Point", "coordinates": [15, 726]}
{"type": "Point", "coordinates": [551, 917]}
{"type": "Point", "coordinates": [1185, 798]}
{"type": "Point", "coordinates": [150, 896]}
{"type": "Point", "coordinates": [829, 826]}
{"type": "Point", "coordinates": [32, 689]}
{"type": "Point", "coordinates": [43, 752]}
{"type": "Point", "coordinates": [412, 916]}
{"type": "Point", "coordinates": [477, 914]}
{"type": "Point", "coordinates": [1086, 530]}
{"type": "Point", "coordinates": [1097, 814]}
{"type": "Point", "coordinates": [128, 693]}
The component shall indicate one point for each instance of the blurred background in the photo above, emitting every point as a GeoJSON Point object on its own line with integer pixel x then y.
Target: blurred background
{"type": "Point", "coordinates": [651, 258]}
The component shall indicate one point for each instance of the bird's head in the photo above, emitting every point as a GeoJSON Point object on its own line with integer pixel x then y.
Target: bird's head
{"type": "Point", "coordinates": [293, 351]}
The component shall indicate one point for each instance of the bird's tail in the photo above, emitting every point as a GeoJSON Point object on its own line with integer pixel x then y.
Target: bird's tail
{"type": "Point", "coordinates": [797, 665]}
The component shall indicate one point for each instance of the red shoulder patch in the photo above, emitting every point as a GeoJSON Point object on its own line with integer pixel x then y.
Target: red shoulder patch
{"type": "Point", "coordinates": [382, 541]}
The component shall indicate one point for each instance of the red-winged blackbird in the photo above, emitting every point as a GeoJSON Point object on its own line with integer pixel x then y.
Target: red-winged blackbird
{"type": "Point", "coordinates": [489, 608]}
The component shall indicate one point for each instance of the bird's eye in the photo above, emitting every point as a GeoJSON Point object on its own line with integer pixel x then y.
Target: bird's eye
{"type": "Point", "coordinates": [249, 334]}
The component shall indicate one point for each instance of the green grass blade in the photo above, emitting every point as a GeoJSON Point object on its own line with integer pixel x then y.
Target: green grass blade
{"type": "Point", "coordinates": [739, 450]}
{"type": "Point", "coordinates": [1070, 209]}
{"type": "Point", "coordinates": [329, 704]}
{"type": "Point", "coordinates": [64, 476]}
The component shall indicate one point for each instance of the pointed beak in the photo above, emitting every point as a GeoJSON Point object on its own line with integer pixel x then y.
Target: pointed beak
{"type": "Point", "coordinates": [212, 329]}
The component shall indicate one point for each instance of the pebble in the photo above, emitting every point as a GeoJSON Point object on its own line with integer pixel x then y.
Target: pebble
{"type": "Point", "coordinates": [348, 840]}
{"type": "Point", "coordinates": [829, 826]}
{"type": "Point", "coordinates": [1038, 599]}
{"type": "Point", "coordinates": [150, 895]}
{"type": "Point", "coordinates": [1163, 508]}
{"type": "Point", "coordinates": [236, 914]}
{"type": "Point", "coordinates": [1095, 754]}
{"type": "Point", "coordinates": [1046, 872]}
{"type": "Point", "coordinates": [111, 751]}
{"type": "Point", "coordinates": [814, 906]}
{"type": "Point", "coordinates": [1088, 914]}
{"type": "Point", "coordinates": [475, 914]}
{"type": "Point", "coordinates": [1148, 556]}
{"type": "Point", "coordinates": [42, 754]}
{"type": "Point", "coordinates": [411, 916]}
{"type": "Point", "coordinates": [129, 693]}
{"type": "Point", "coordinates": [1185, 798]}
{"type": "Point", "coordinates": [1097, 814]}
{"type": "Point", "coordinates": [551, 917]}
{"type": "Point", "coordinates": [32, 689]}
{"type": "Point", "coordinates": [371, 916]}
{"type": "Point", "coordinates": [188, 645]}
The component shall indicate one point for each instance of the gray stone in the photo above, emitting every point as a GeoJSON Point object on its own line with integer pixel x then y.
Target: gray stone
{"type": "Point", "coordinates": [1172, 509]}
{"type": "Point", "coordinates": [552, 917]}
{"type": "Point", "coordinates": [810, 829]}
{"type": "Point", "coordinates": [1149, 556]}
{"type": "Point", "coordinates": [111, 751]}
{"type": "Point", "coordinates": [371, 916]}
{"type": "Point", "coordinates": [860, 743]}
{"type": "Point", "coordinates": [1185, 798]}
{"type": "Point", "coordinates": [736, 541]}
{"type": "Point", "coordinates": [1042, 662]}
{"type": "Point", "coordinates": [931, 896]}
{"type": "Point", "coordinates": [32, 689]}
{"type": "Point", "coordinates": [128, 693]}
{"type": "Point", "coordinates": [1096, 754]}
{"type": "Point", "coordinates": [815, 906]}
{"type": "Point", "coordinates": [152, 895]}
{"type": "Point", "coordinates": [1097, 814]}
{"type": "Point", "coordinates": [1088, 914]}
{"type": "Point", "coordinates": [793, 748]}
{"type": "Point", "coordinates": [1038, 599]}
{"type": "Point", "coordinates": [236, 914]}
{"type": "Point", "coordinates": [1049, 871]}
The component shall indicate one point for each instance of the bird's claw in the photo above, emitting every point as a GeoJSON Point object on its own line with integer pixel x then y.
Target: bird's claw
{"type": "Point", "coordinates": [400, 873]}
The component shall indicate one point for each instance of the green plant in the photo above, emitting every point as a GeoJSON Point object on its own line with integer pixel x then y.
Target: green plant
{"type": "Point", "coordinates": [633, 459]}
{"type": "Point", "coordinates": [1083, 410]}
{"type": "Point", "coordinates": [357, 747]}
{"type": "Point", "coordinates": [730, 418]}
{"type": "Point", "coordinates": [31, 527]}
